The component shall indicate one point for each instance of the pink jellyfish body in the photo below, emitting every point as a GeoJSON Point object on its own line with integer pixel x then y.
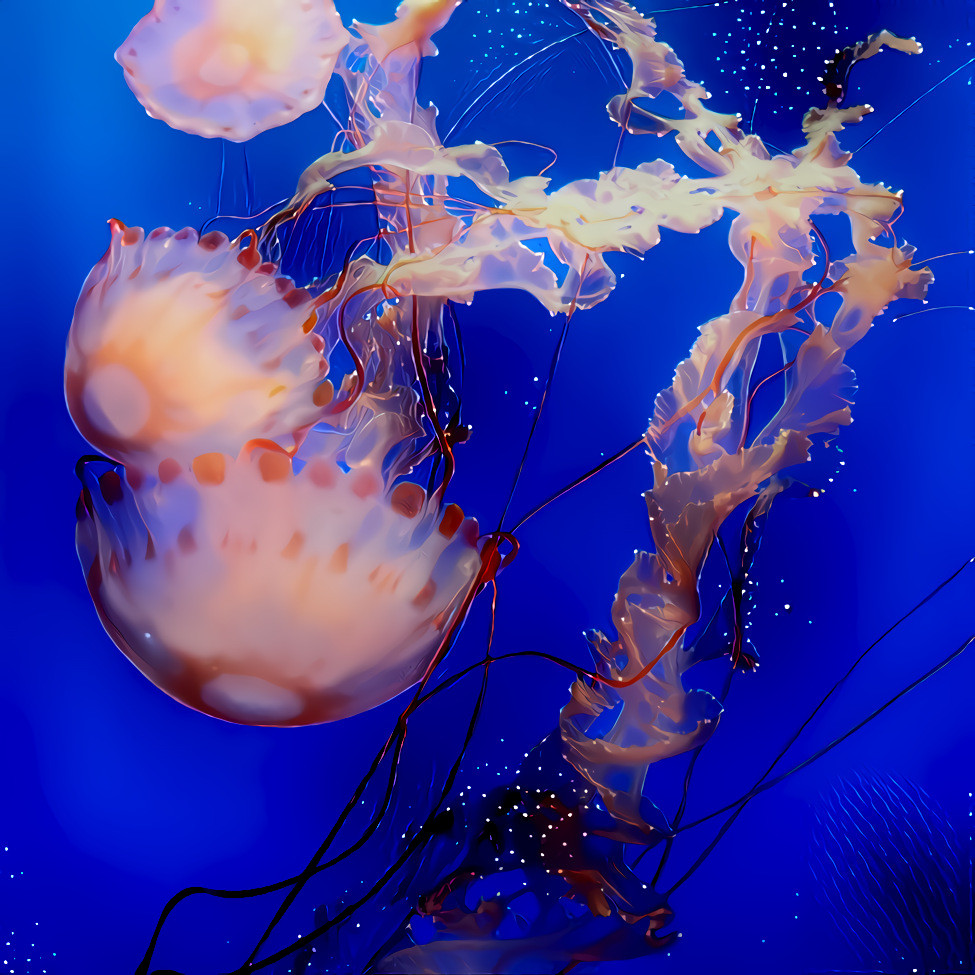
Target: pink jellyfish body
{"type": "Point", "coordinates": [182, 345]}
{"type": "Point", "coordinates": [232, 68]}
{"type": "Point", "coordinates": [262, 596]}
{"type": "Point", "coordinates": [246, 578]}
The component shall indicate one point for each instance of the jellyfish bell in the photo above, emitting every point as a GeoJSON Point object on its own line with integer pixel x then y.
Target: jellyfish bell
{"type": "Point", "coordinates": [264, 596]}
{"type": "Point", "coordinates": [182, 345]}
{"type": "Point", "coordinates": [232, 68]}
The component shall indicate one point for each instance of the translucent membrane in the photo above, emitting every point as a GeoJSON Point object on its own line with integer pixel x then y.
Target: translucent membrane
{"type": "Point", "coordinates": [182, 345]}
{"type": "Point", "coordinates": [232, 68]}
{"type": "Point", "coordinates": [265, 597]}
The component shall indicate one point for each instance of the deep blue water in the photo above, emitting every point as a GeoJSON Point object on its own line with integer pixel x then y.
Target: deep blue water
{"type": "Point", "coordinates": [115, 796]}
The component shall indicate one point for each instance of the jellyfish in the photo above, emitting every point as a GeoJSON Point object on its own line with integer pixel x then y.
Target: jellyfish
{"type": "Point", "coordinates": [231, 68]}
{"type": "Point", "coordinates": [262, 595]}
{"type": "Point", "coordinates": [183, 345]}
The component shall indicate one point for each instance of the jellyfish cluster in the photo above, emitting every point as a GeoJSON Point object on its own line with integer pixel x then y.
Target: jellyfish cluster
{"type": "Point", "coordinates": [254, 532]}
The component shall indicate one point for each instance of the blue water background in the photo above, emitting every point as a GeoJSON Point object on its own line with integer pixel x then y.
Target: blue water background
{"type": "Point", "coordinates": [114, 796]}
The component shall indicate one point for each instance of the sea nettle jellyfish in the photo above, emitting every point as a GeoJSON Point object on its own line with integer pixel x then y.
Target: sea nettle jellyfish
{"type": "Point", "coordinates": [183, 345]}
{"type": "Point", "coordinates": [232, 68]}
{"type": "Point", "coordinates": [264, 596]}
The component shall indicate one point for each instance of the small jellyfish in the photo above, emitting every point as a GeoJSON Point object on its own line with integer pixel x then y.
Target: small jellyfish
{"type": "Point", "coordinates": [264, 596]}
{"type": "Point", "coordinates": [183, 345]}
{"type": "Point", "coordinates": [232, 68]}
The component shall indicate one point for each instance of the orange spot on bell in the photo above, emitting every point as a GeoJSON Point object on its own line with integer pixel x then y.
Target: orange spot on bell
{"type": "Point", "coordinates": [274, 466]}
{"type": "Point", "coordinates": [339, 561]}
{"type": "Point", "coordinates": [453, 516]}
{"type": "Point", "coordinates": [366, 484]}
{"type": "Point", "coordinates": [169, 470]}
{"type": "Point", "coordinates": [321, 472]}
{"type": "Point", "coordinates": [323, 393]}
{"type": "Point", "coordinates": [294, 546]}
{"type": "Point", "coordinates": [425, 596]}
{"type": "Point", "coordinates": [407, 499]}
{"type": "Point", "coordinates": [209, 468]}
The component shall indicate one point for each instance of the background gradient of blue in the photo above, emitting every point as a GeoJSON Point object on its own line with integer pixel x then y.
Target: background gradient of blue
{"type": "Point", "coordinates": [114, 796]}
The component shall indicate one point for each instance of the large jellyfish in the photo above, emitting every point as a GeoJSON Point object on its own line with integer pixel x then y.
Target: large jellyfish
{"type": "Point", "coordinates": [265, 597]}
{"type": "Point", "coordinates": [182, 345]}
